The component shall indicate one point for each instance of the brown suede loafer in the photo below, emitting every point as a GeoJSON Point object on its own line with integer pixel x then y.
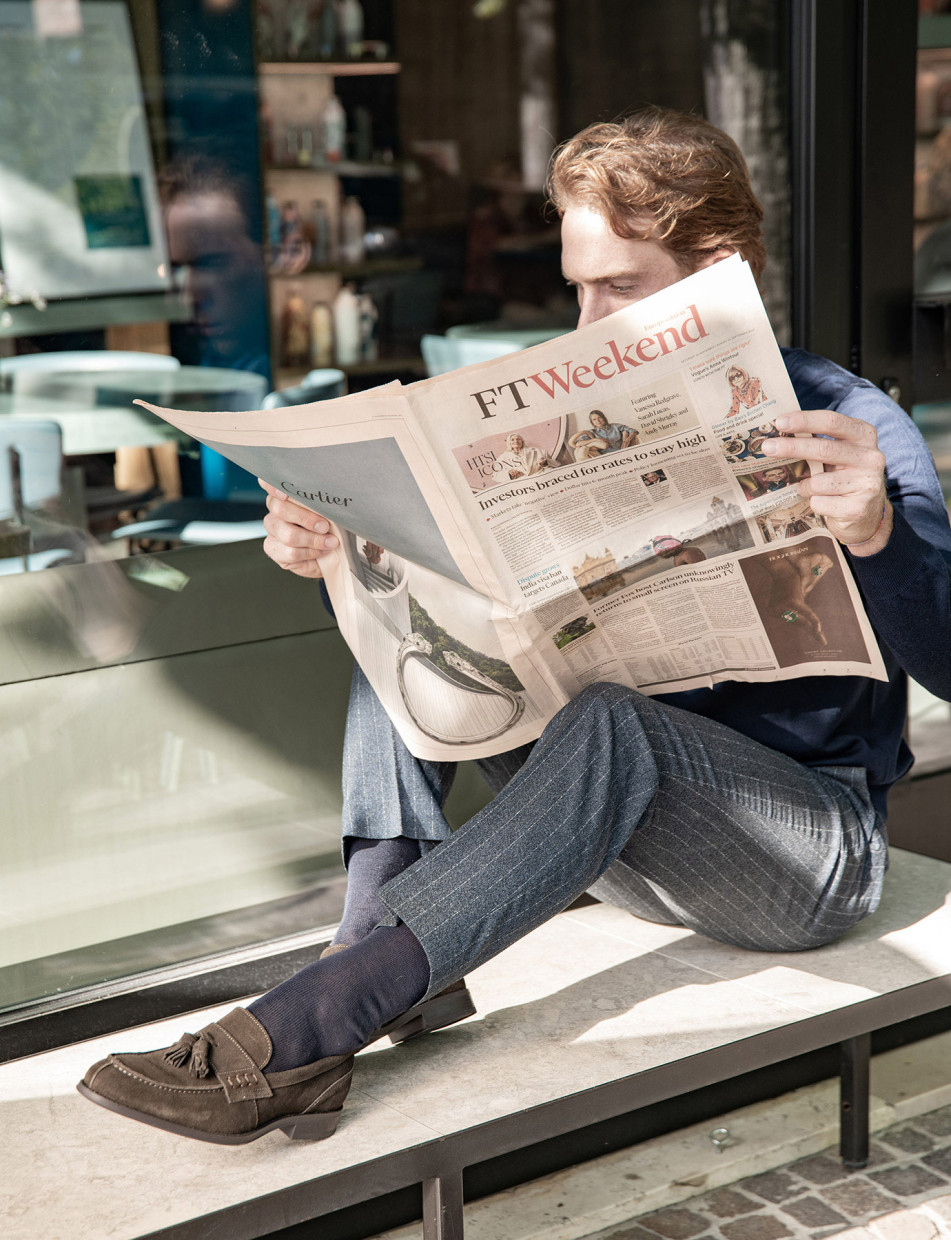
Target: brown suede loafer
{"type": "Point", "coordinates": [449, 1006]}
{"type": "Point", "coordinates": [213, 1086]}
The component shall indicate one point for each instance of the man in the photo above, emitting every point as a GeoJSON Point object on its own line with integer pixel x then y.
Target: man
{"type": "Point", "coordinates": [753, 813]}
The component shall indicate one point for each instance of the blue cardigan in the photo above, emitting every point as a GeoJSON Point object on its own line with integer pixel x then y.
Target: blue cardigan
{"type": "Point", "coordinates": [850, 720]}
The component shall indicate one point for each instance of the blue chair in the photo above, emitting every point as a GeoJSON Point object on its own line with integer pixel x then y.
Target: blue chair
{"type": "Point", "coordinates": [221, 479]}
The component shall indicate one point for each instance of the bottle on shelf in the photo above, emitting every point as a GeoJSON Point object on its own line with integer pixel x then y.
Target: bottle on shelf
{"type": "Point", "coordinates": [268, 30]}
{"type": "Point", "coordinates": [346, 313]}
{"type": "Point", "coordinates": [267, 134]}
{"type": "Point", "coordinates": [323, 251]}
{"type": "Point", "coordinates": [334, 130]}
{"type": "Point", "coordinates": [353, 226]}
{"type": "Point", "coordinates": [363, 135]}
{"type": "Point", "coordinates": [369, 318]}
{"type": "Point", "coordinates": [350, 28]}
{"type": "Point", "coordinates": [305, 146]}
{"type": "Point", "coordinates": [296, 27]}
{"type": "Point", "coordinates": [327, 29]}
{"type": "Point", "coordinates": [321, 335]}
{"type": "Point", "coordinates": [295, 330]}
{"type": "Point", "coordinates": [291, 145]}
{"type": "Point", "coordinates": [294, 254]}
{"type": "Point", "coordinates": [273, 218]}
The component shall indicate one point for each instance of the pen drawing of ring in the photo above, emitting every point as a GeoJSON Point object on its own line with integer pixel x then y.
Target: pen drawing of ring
{"type": "Point", "coordinates": [448, 709]}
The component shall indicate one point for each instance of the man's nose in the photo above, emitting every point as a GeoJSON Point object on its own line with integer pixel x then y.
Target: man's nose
{"type": "Point", "coordinates": [592, 309]}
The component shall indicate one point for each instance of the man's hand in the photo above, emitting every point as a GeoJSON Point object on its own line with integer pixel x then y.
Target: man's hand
{"type": "Point", "coordinates": [849, 492]}
{"type": "Point", "coordinates": [296, 537]}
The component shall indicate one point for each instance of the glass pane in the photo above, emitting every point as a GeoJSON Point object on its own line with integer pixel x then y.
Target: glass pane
{"type": "Point", "coordinates": [930, 721]}
{"type": "Point", "coordinates": [267, 193]}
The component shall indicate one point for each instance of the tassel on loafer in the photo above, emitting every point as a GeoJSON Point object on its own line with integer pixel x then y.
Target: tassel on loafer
{"type": "Point", "coordinates": [213, 1086]}
{"type": "Point", "coordinates": [451, 1005]}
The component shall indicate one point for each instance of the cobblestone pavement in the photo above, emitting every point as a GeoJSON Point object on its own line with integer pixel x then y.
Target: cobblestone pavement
{"type": "Point", "coordinates": [903, 1194]}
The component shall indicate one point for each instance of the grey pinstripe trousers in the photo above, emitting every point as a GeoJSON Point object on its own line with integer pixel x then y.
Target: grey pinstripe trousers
{"type": "Point", "coordinates": [665, 813]}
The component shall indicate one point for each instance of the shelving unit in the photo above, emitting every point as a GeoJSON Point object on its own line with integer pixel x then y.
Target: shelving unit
{"type": "Point", "coordinates": [292, 96]}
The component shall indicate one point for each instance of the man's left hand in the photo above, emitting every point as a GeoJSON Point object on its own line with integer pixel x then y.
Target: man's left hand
{"type": "Point", "coordinates": [848, 487]}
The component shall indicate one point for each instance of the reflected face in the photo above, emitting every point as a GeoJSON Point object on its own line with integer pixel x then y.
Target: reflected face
{"type": "Point", "coordinates": [208, 237]}
{"type": "Point", "coordinates": [609, 272]}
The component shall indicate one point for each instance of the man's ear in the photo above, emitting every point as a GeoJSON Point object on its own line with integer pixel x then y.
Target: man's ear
{"type": "Point", "coordinates": [714, 256]}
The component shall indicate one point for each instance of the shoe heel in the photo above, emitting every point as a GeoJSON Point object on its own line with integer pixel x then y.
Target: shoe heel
{"type": "Point", "coordinates": [440, 1011]}
{"type": "Point", "coordinates": [412, 1029]}
{"type": "Point", "coordinates": [311, 1127]}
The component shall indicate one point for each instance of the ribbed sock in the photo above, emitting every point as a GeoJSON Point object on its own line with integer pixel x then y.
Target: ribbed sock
{"type": "Point", "coordinates": [370, 864]}
{"type": "Point", "coordinates": [331, 1007]}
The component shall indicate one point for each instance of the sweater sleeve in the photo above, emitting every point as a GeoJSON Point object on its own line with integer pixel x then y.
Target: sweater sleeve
{"type": "Point", "coordinates": [907, 585]}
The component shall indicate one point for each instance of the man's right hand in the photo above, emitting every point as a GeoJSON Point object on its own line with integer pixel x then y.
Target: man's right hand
{"type": "Point", "coordinates": [297, 538]}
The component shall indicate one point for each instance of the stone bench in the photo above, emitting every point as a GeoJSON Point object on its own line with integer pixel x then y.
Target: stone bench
{"type": "Point", "coordinates": [593, 1015]}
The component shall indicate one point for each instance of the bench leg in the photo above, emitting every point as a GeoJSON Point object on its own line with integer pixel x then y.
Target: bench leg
{"type": "Point", "coordinates": [853, 1100]}
{"type": "Point", "coordinates": [442, 1207]}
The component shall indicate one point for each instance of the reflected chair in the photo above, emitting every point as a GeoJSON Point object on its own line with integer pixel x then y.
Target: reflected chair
{"type": "Point", "coordinates": [31, 481]}
{"type": "Point", "coordinates": [325, 384]}
{"type": "Point", "coordinates": [103, 503]}
{"type": "Point", "coordinates": [444, 353]}
{"type": "Point", "coordinates": [202, 521]}
{"type": "Point", "coordinates": [87, 359]}
{"type": "Point", "coordinates": [521, 337]}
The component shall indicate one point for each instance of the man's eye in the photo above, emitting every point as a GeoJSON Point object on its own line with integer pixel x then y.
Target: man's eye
{"type": "Point", "coordinates": [625, 290]}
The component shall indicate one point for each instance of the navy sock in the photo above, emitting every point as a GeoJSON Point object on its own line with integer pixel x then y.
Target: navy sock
{"type": "Point", "coordinates": [370, 864]}
{"type": "Point", "coordinates": [331, 1007]}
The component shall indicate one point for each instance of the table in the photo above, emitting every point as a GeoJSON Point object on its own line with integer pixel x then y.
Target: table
{"type": "Point", "coordinates": [95, 411]}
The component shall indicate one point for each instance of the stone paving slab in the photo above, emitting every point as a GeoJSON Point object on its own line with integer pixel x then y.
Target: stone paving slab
{"type": "Point", "coordinates": [903, 1194]}
{"type": "Point", "coordinates": [910, 1097]}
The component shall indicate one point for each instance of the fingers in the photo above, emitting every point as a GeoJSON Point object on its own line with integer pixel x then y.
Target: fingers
{"type": "Point", "coordinates": [849, 489]}
{"type": "Point", "coordinates": [850, 503]}
{"type": "Point", "coordinates": [827, 422]}
{"type": "Point", "coordinates": [838, 443]}
{"type": "Point", "coordinates": [297, 538]}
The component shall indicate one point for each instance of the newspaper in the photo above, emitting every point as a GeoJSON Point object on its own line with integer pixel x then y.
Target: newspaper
{"type": "Point", "coordinates": [595, 508]}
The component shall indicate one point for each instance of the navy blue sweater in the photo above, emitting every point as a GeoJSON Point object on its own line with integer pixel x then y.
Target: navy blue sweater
{"type": "Point", "coordinates": [851, 720]}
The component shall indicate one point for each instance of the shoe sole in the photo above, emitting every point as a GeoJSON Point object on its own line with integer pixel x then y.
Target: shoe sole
{"type": "Point", "coordinates": [432, 1014]}
{"type": "Point", "coordinates": [297, 1127]}
{"type": "Point", "coordinates": [446, 1008]}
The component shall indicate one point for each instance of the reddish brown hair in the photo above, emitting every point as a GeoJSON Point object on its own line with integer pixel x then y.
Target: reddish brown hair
{"type": "Point", "coordinates": [664, 176]}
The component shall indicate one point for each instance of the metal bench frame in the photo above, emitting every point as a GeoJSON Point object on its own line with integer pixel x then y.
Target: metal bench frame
{"type": "Point", "coordinates": [439, 1164]}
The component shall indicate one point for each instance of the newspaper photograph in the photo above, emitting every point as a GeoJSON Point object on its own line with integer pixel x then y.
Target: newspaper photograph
{"type": "Point", "coordinates": [595, 508]}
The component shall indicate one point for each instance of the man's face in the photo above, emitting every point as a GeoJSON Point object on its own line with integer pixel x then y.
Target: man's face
{"type": "Point", "coordinates": [610, 272]}
{"type": "Point", "coordinates": [208, 237]}
{"type": "Point", "coordinates": [776, 474]}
